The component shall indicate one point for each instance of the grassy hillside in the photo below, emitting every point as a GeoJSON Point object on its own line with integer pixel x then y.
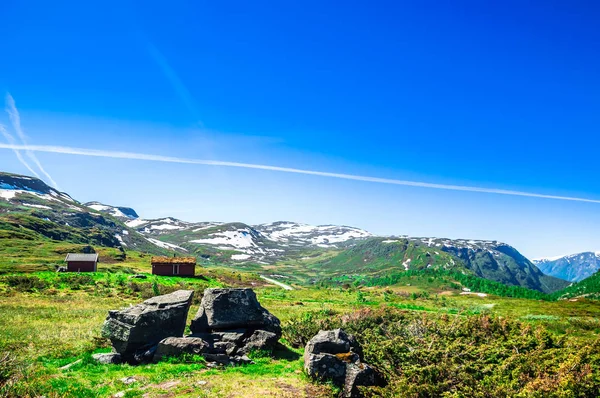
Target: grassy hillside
{"type": "Point", "coordinates": [588, 288]}
{"type": "Point", "coordinates": [51, 320]}
{"type": "Point", "coordinates": [378, 256]}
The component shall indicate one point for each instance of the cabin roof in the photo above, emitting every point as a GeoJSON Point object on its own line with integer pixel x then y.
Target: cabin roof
{"type": "Point", "coordinates": [173, 260]}
{"type": "Point", "coordinates": [81, 257]}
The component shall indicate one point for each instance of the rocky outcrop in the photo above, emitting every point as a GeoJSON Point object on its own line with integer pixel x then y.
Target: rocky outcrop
{"type": "Point", "coordinates": [229, 325]}
{"type": "Point", "coordinates": [136, 331]}
{"type": "Point", "coordinates": [334, 355]}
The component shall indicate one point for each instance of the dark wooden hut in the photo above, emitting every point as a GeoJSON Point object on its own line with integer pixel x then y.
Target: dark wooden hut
{"type": "Point", "coordinates": [168, 266]}
{"type": "Point", "coordinates": [79, 262]}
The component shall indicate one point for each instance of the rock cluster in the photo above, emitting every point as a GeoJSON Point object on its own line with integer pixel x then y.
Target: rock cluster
{"type": "Point", "coordinates": [333, 355]}
{"type": "Point", "coordinates": [229, 324]}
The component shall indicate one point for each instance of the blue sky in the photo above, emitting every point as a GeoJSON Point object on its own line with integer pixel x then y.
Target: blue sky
{"type": "Point", "coordinates": [501, 96]}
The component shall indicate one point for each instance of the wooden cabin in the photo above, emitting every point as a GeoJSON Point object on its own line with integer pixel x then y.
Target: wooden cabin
{"type": "Point", "coordinates": [169, 266]}
{"type": "Point", "coordinates": [79, 262]}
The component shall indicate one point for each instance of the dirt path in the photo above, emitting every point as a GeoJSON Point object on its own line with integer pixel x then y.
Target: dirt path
{"type": "Point", "coordinates": [280, 284]}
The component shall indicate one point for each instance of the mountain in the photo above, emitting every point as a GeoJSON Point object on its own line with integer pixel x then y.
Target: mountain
{"type": "Point", "coordinates": [265, 243]}
{"type": "Point", "coordinates": [30, 209]}
{"type": "Point", "coordinates": [498, 262]}
{"type": "Point", "coordinates": [587, 288]}
{"type": "Point", "coordinates": [491, 260]}
{"type": "Point", "coordinates": [573, 268]}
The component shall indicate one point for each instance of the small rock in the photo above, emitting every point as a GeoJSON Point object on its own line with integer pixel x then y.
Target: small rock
{"type": "Point", "coordinates": [69, 365]}
{"type": "Point", "coordinates": [128, 380]}
{"type": "Point", "coordinates": [120, 394]}
{"type": "Point", "coordinates": [108, 358]}
{"type": "Point", "coordinates": [202, 382]}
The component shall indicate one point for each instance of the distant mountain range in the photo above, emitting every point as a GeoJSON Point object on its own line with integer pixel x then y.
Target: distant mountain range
{"type": "Point", "coordinates": [573, 268]}
{"type": "Point", "coordinates": [29, 206]}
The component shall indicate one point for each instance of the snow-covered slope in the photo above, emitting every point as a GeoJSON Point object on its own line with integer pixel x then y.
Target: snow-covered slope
{"type": "Point", "coordinates": [71, 219]}
{"type": "Point", "coordinates": [122, 213]}
{"type": "Point", "coordinates": [32, 192]}
{"type": "Point", "coordinates": [158, 226]}
{"type": "Point", "coordinates": [573, 268]}
{"type": "Point", "coordinates": [265, 243]}
{"type": "Point", "coordinates": [292, 233]}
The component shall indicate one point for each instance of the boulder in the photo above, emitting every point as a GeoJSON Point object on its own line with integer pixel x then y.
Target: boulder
{"type": "Point", "coordinates": [259, 340]}
{"type": "Point", "coordinates": [358, 374]}
{"type": "Point", "coordinates": [225, 309]}
{"type": "Point", "coordinates": [135, 331]}
{"type": "Point", "coordinates": [333, 342]}
{"type": "Point", "coordinates": [176, 346]}
{"type": "Point", "coordinates": [108, 358]}
{"type": "Point", "coordinates": [334, 355]}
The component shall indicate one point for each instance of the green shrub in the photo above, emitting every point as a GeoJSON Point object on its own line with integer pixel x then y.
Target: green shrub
{"type": "Point", "coordinates": [433, 355]}
{"type": "Point", "coordinates": [24, 283]}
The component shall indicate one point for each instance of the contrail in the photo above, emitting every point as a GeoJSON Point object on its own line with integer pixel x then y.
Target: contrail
{"type": "Point", "coordinates": [15, 119]}
{"type": "Point", "coordinates": [11, 141]}
{"type": "Point", "coordinates": [170, 159]}
{"type": "Point", "coordinates": [174, 79]}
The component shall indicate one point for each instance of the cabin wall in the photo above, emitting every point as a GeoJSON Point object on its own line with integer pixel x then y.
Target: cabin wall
{"type": "Point", "coordinates": [168, 269]}
{"type": "Point", "coordinates": [162, 269]}
{"type": "Point", "coordinates": [81, 266]}
{"type": "Point", "coordinates": [187, 269]}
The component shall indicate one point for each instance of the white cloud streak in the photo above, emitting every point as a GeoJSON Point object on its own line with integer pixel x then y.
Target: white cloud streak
{"type": "Point", "coordinates": [11, 141]}
{"type": "Point", "coordinates": [15, 119]}
{"type": "Point", "coordinates": [174, 79]}
{"type": "Point", "coordinates": [170, 159]}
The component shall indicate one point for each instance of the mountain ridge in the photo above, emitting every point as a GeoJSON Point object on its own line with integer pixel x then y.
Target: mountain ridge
{"type": "Point", "coordinates": [270, 244]}
{"type": "Point", "coordinates": [574, 267]}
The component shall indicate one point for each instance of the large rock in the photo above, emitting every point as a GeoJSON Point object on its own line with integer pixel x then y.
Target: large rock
{"type": "Point", "coordinates": [141, 327]}
{"type": "Point", "coordinates": [334, 355]}
{"type": "Point", "coordinates": [224, 309]}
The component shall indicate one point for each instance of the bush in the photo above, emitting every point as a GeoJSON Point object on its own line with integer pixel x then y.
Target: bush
{"type": "Point", "coordinates": [25, 283]}
{"type": "Point", "coordinates": [433, 355]}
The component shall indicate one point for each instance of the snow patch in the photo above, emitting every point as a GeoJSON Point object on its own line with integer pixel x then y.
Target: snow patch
{"type": "Point", "coordinates": [240, 257]}
{"type": "Point", "coordinates": [37, 206]}
{"type": "Point", "coordinates": [136, 223]}
{"type": "Point", "coordinates": [165, 245]}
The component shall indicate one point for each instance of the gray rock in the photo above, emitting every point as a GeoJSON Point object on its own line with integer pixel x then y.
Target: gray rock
{"type": "Point", "coordinates": [108, 358]}
{"type": "Point", "coordinates": [358, 374]}
{"type": "Point", "coordinates": [336, 356]}
{"type": "Point", "coordinates": [176, 346]}
{"type": "Point", "coordinates": [143, 326]}
{"type": "Point", "coordinates": [333, 342]}
{"type": "Point", "coordinates": [325, 367]}
{"type": "Point", "coordinates": [260, 340]}
{"type": "Point", "coordinates": [223, 309]}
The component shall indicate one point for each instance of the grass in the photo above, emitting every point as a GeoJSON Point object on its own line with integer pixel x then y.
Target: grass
{"type": "Point", "coordinates": [52, 319]}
